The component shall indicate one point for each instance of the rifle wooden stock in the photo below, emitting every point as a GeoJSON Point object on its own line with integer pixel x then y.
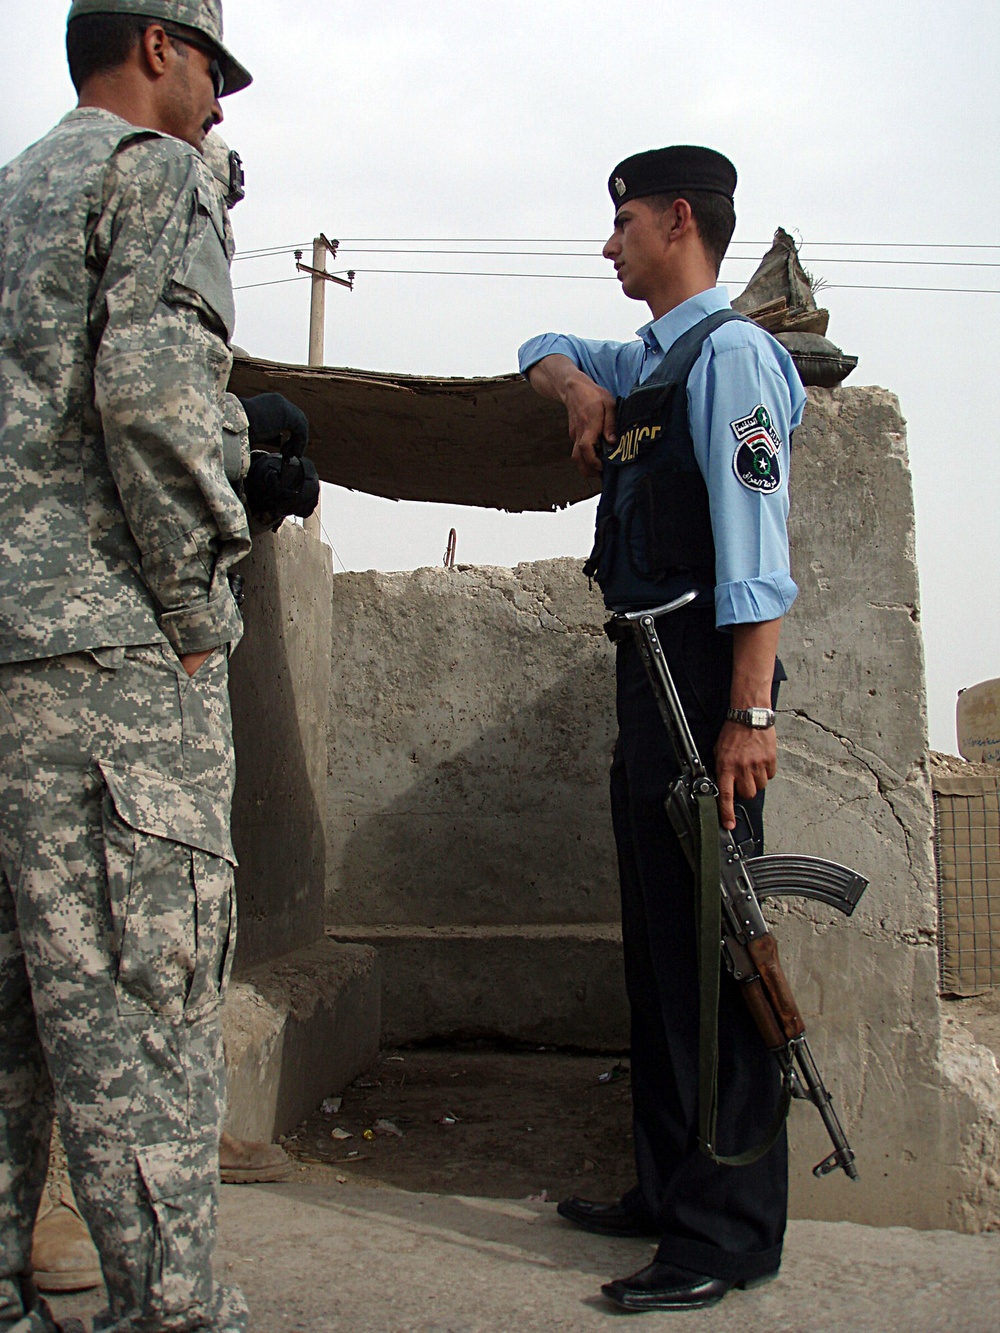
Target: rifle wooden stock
{"type": "Point", "coordinates": [764, 952]}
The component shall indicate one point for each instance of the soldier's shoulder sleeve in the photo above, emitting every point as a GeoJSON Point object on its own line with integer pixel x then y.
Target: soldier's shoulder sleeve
{"type": "Point", "coordinates": [203, 279]}
{"type": "Point", "coordinates": [165, 227]}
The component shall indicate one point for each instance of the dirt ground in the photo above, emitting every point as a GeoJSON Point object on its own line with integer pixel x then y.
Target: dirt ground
{"type": "Point", "coordinates": [479, 1121]}
{"type": "Point", "coordinates": [514, 1124]}
{"type": "Point", "coordinates": [981, 1015]}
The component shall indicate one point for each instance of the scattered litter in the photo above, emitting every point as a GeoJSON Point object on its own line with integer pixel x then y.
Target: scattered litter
{"type": "Point", "coordinates": [331, 1105]}
{"type": "Point", "coordinates": [618, 1071]}
{"type": "Point", "coordinates": [394, 1059]}
{"type": "Point", "coordinates": [369, 1134]}
{"type": "Point", "coordinates": [447, 1119]}
{"type": "Point", "coordinates": [588, 1165]}
{"type": "Point", "coordinates": [367, 1083]}
{"type": "Point", "coordinates": [387, 1129]}
{"type": "Point", "coordinates": [529, 1129]}
{"type": "Point", "coordinates": [341, 1180]}
{"type": "Point", "coordinates": [353, 1153]}
{"type": "Point", "coordinates": [339, 1133]}
{"type": "Point", "coordinates": [539, 1198]}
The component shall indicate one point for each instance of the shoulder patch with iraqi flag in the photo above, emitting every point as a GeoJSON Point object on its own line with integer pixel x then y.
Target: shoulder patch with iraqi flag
{"type": "Point", "coordinates": [758, 445]}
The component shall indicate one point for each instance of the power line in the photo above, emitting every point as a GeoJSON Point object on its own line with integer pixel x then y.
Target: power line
{"type": "Point", "coordinates": [917, 263]}
{"type": "Point", "coordinates": [877, 287]}
{"type": "Point", "coordinates": [607, 277]}
{"type": "Point", "coordinates": [590, 254]}
{"type": "Point", "coordinates": [589, 240]}
{"type": "Point", "coordinates": [485, 273]}
{"type": "Point", "coordinates": [268, 250]}
{"type": "Point", "coordinates": [275, 282]}
{"type": "Point", "coordinates": [599, 241]}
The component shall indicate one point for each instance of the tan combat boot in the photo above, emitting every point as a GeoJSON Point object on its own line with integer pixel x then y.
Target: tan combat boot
{"type": "Point", "coordinates": [62, 1254]}
{"type": "Point", "coordinates": [242, 1162]}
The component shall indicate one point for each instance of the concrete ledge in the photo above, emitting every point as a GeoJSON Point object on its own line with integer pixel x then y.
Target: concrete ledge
{"type": "Point", "coordinates": [554, 985]}
{"type": "Point", "coordinates": [297, 1030]}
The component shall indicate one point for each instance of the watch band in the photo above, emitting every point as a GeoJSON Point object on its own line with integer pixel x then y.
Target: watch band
{"type": "Point", "coordinates": [760, 719]}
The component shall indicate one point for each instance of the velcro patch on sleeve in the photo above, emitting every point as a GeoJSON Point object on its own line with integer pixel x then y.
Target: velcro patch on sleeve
{"type": "Point", "coordinates": [758, 445]}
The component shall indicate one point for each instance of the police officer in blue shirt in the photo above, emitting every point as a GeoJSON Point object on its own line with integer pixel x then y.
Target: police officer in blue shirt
{"type": "Point", "coordinates": [689, 428]}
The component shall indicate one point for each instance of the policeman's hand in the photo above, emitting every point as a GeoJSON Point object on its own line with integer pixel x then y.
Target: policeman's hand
{"type": "Point", "coordinates": [591, 409]}
{"type": "Point", "coordinates": [274, 420]}
{"type": "Point", "coordinates": [591, 412]}
{"type": "Point", "coordinates": [745, 759]}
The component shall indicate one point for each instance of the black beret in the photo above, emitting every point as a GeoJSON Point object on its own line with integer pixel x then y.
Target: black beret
{"type": "Point", "coordinates": [672, 171]}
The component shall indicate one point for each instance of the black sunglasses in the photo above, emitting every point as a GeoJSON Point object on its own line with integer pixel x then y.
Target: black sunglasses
{"type": "Point", "coordinates": [214, 68]}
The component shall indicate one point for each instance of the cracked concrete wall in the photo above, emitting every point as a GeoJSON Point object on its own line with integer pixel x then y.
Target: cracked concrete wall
{"type": "Point", "coordinates": [855, 786]}
{"type": "Point", "coordinates": [471, 726]}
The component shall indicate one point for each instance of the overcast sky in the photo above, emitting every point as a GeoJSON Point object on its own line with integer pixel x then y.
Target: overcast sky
{"type": "Point", "coordinates": [855, 125]}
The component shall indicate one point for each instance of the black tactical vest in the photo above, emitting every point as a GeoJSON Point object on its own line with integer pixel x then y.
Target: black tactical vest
{"type": "Point", "coordinates": [654, 528]}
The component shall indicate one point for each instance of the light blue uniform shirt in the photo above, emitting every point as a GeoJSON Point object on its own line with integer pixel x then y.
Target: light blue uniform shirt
{"type": "Point", "coordinates": [741, 368]}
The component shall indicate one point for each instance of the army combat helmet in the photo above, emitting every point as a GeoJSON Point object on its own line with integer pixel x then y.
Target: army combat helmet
{"type": "Point", "coordinates": [201, 16]}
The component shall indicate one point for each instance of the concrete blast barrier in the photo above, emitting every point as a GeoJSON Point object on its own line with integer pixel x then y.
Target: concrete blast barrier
{"type": "Point", "coordinates": [302, 1016]}
{"type": "Point", "coordinates": [471, 725]}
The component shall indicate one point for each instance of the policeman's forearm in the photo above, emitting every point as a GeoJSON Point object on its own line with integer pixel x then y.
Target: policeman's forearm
{"type": "Point", "coordinates": [754, 650]}
{"type": "Point", "coordinates": [555, 377]}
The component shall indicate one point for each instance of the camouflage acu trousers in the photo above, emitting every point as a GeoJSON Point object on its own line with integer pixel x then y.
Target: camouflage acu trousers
{"type": "Point", "coordinates": [117, 926]}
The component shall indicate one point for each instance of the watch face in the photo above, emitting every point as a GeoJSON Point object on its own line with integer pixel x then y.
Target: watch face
{"type": "Point", "coordinates": [759, 717]}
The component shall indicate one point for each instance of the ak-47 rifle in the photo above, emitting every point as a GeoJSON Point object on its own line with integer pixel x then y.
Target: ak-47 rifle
{"type": "Point", "coordinates": [749, 948]}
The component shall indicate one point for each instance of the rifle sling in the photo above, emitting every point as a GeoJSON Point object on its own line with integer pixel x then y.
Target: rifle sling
{"type": "Point", "coordinates": [708, 903]}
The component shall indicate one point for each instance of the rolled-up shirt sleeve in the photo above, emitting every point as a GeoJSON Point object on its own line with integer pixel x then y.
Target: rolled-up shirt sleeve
{"type": "Point", "coordinates": [743, 410]}
{"type": "Point", "coordinates": [162, 323]}
{"type": "Point", "coordinates": [613, 365]}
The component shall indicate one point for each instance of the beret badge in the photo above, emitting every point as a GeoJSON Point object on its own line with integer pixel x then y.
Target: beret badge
{"type": "Point", "coordinates": [619, 185]}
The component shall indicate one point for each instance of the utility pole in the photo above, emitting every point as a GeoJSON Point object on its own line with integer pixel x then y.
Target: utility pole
{"type": "Point", "coordinates": [317, 323]}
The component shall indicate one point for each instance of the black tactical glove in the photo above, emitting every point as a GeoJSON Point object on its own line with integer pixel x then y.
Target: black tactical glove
{"type": "Point", "coordinates": [277, 423]}
{"type": "Point", "coordinates": [278, 484]}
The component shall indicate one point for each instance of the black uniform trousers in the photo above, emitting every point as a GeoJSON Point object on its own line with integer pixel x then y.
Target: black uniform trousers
{"type": "Point", "coordinates": [726, 1222]}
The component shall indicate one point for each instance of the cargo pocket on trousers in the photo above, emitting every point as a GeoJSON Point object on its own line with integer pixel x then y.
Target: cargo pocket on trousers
{"type": "Point", "coordinates": [180, 1181]}
{"type": "Point", "coordinates": [169, 863]}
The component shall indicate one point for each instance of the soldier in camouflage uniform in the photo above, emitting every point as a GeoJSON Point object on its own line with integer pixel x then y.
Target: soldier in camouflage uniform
{"type": "Point", "coordinates": [117, 529]}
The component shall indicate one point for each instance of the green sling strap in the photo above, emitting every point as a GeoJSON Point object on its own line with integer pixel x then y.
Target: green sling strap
{"type": "Point", "coordinates": [708, 903]}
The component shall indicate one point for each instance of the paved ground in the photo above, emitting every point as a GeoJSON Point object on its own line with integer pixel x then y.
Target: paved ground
{"type": "Point", "coordinates": [315, 1254]}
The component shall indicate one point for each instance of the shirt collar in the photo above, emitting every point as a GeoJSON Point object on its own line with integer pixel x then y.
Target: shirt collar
{"type": "Point", "coordinates": [95, 113]}
{"type": "Point", "coordinates": [661, 334]}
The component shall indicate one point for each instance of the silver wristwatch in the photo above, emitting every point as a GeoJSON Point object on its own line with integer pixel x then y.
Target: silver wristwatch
{"type": "Point", "coordinates": [757, 718]}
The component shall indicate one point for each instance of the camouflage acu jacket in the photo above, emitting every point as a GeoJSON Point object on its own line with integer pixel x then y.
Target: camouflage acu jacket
{"type": "Point", "coordinates": [117, 522]}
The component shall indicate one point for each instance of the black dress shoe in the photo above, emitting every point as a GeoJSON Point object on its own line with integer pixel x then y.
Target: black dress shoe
{"type": "Point", "coordinates": [607, 1219]}
{"type": "Point", "coordinates": [667, 1287]}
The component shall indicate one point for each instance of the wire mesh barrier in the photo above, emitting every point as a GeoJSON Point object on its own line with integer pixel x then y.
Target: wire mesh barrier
{"type": "Point", "coordinates": [967, 851]}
